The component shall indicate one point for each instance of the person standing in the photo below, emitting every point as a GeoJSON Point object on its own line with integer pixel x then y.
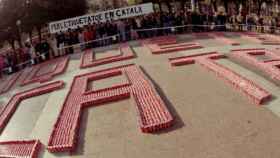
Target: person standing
{"type": "Point", "coordinates": [273, 25]}
{"type": "Point", "coordinates": [134, 34]}
{"type": "Point", "coordinates": [121, 29]}
{"type": "Point", "coordinates": [86, 36]}
{"type": "Point", "coordinates": [14, 61]}
{"type": "Point", "coordinates": [178, 22]}
{"type": "Point", "coordinates": [68, 42]}
{"type": "Point", "coordinates": [2, 64]}
{"type": "Point", "coordinates": [90, 37]}
{"type": "Point", "coordinates": [139, 26]}
{"type": "Point", "coordinates": [61, 43]}
{"type": "Point", "coordinates": [31, 53]}
{"type": "Point", "coordinates": [98, 34]}
{"type": "Point", "coordinates": [73, 40]}
{"type": "Point", "coordinates": [128, 27]}
{"type": "Point", "coordinates": [138, 23]}
{"type": "Point", "coordinates": [81, 39]}
{"type": "Point", "coordinates": [110, 31]}
{"type": "Point", "coordinates": [93, 33]}
{"type": "Point", "coordinates": [261, 24]}
{"type": "Point", "coordinates": [52, 41]}
{"type": "Point", "coordinates": [240, 21]}
{"type": "Point", "coordinates": [102, 33]}
{"type": "Point", "coordinates": [249, 22]}
{"type": "Point", "coordinates": [45, 50]}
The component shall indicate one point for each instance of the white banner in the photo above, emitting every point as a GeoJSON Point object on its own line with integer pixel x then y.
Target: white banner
{"type": "Point", "coordinates": [104, 16]}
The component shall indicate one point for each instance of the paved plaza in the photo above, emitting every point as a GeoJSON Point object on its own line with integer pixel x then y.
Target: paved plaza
{"type": "Point", "coordinates": [212, 116]}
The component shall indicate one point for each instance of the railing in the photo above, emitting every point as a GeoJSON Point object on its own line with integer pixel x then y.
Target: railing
{"type": "Point", "coordinates": [147, 33]}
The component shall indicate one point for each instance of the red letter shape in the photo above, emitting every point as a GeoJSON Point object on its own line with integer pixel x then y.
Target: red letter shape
{"type": "Point", "coordinates": [166, 47]}
{"type": "Point", "coordinates": [221, 37]}
{"type": "Point", "coordinates": [162, 40]}
{"type": "Point", "coordinates": [249, 88]}
{"type": "Point", "coordinates": [8, 82]}
{"type": "Point", "coordinates": [252, 36]}
{"type": "Point", "coordinates": [88, 58]}
{"type": "Point", "coordinates": [266, 40]}
{"type": "Point", "coordinates": [36, 76]}
{"type": "Point", "coordinates": [28, 149]}
{"type": "Point", "coordinates": [152, 112]}
{"type": "Point", "coordinates": [270, 67]}
{"type": "Point", "coordinates": [8, 111]}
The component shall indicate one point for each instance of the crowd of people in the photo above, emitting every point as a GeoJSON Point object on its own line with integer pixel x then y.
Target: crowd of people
{"type": "Point", "coordinates": [110, 32]}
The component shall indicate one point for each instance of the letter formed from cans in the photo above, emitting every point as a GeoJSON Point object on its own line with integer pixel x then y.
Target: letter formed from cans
{"type": "Point", "coordinates": [22, 148]}
{"type": "Point", "coordinates": [269, 65]}
{"type": "Point", "coordinates": [152, 112]}
{"type": "Point", "coordinates": [36, 75]}
{"type": "Point", "coordinates": [168, 44]}
{"type": "Point", "coordinates": [89, 60]}
{"type": "Point", "coordinates": [254, 92]}
{"type": "Point", "coordinates": [8, 82]}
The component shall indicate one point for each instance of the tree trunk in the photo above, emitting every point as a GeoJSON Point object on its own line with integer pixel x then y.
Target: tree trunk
{"type": "Point", "coordinates": [19, 39]}
{"type": "Point", "coordinates": [160, 6]}
{"type": "Point", "coordinates": [226, 5]}
{"type": "Point", "coordinates": [115, 4]}
{"type": "Point", "coordinates": [20, 43]}
{"type": "Point", "coordinates": [12, 43]}
{"type": "Point", "coordinates": [214, 3]}
{"type": "Point", "coordinates": [169, 6]}
{"type": "Point", "coordinates": [237, 6]}
{"type": "Point", "coordinates": [259, 7]}
{"type": "Point", "coordinates": [182, 4]}
{"type": "Point", "coordinates": [39, 33]}
{"type": "Point", "coordinates": [30, 36]}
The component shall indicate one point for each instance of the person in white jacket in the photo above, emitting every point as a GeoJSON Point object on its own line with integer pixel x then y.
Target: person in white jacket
{"type": "Point", "coordinates": [53, 44]}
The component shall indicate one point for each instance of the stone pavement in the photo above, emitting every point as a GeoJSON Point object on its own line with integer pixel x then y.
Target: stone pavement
{"type": "Point", "coordinates": [211, 118]}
